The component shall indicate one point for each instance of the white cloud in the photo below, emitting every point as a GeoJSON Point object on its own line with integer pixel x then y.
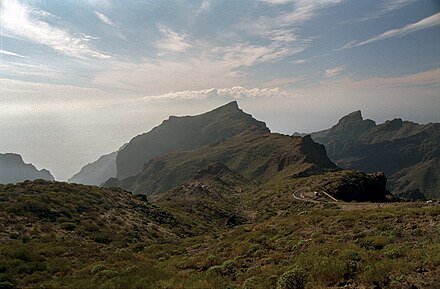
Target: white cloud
{"type": "Point", "coordinates": [204, 66]}
{"type": "Point", "coordinates": [387, 7]}
{"type": "Point", "coordinates": [422, 24]}
{"type": "Point", "coordinates": [299, 61]}
{"type": "Point", "coordinates": [17, 22]}
{"type": "Point", "coordinates": [204, 7]}
{"type": "Point", "coordinates": [104, 19]}
{"type": "Point", "coordinates": [172, 41]}
{"type": "Point", "coordinates": [236, 92]}
{"type": "Point", "coordinates": [5, 52]}
{"type": "Point", "coordinates": [332, 72]}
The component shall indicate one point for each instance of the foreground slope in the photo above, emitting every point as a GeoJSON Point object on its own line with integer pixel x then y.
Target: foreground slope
{"type": "Point", "coordinates": [408, 153]}
{"type": "Point", "coordinates": [59, 235]}
{"type": "Point", "coordinates": [13, 169]}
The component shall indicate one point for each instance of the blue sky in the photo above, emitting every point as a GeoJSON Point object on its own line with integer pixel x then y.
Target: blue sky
{"type": "Point", "coordinates": [297, 64]}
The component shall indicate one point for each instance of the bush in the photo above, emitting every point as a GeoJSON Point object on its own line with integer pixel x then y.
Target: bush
{"type": "Point", "coordinates": [6, 285]}
{"type": "Point", "coordinates": [68, 226]}
{"type": "Point", "coordinates": [295, 278]}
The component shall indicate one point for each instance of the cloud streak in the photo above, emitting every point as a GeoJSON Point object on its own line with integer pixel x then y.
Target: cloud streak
{"type": "Point", "coordinates": [332, 72]}
{"type": "Point", "coordinates": [236, 92]}
{"type": "Point", "coordinates": [172, 41]}
{"type": "Point", "coordinates": [9, 53]}
{"type": "Point", "coordinates": [400, 32]}
{"type": "Point", "coordinates": [18, 22]}
{"type": "Point", "coordinates": [104, 19]}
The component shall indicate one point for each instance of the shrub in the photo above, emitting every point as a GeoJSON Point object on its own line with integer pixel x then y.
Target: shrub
{"type": "Point", "coordinates": [6, 285]}
{"type": "Point", "coordinates": [68, 226]}
{"type": "Point", "coordinates": [251, 283]}
{"type": "Point", "coordinates": [295, 278]}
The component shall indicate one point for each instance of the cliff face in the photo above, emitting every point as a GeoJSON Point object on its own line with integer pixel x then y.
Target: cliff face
{"type": "Point", "coordinates": [393, 147]}
{"type": "Point", "coordinates": [13, 170]}
{"type": "Point", "coordinates": [183, 134]}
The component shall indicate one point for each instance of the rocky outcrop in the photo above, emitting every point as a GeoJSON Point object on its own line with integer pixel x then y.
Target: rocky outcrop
{"type": "Point", "coordinates": [357, 186]}
{"type": "Point", "coordinates": [405, 151]}
{"type": "Point", "coordinates": [14, 170]}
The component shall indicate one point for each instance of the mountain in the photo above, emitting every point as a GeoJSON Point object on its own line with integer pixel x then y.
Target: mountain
{"type": "Point", "coordinates": [97, 172]}
{"type": "Point", "coordinates": [407, 152]}
{"type": "Point", "coordinates": [183, 134]}
{"type": "Point", "coordinates": [256, 155]}
{"type": "Point", "coordinates": [13, 170]}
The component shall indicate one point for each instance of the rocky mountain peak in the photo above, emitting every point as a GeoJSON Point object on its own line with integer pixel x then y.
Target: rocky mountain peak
{"type": "Point", "coordinates": [355, 116]}
{"type": "Point", "coordinates": [186, 133]}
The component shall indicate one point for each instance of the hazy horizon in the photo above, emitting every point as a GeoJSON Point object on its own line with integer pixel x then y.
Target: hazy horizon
{"type": "Point", "coordinates": [78, 79]}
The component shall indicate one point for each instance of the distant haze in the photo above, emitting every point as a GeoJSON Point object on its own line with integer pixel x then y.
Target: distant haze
{"type": "Point", "coordinates": [63, 143]}
{"type": "Point", "coordinates": [78, 79]}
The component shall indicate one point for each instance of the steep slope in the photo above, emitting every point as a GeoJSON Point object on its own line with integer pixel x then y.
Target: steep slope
{"type": "Point", "coordinates": [13, 170]}
{"type": "Point", "coordinates": [424, 175]}
{"type": "Point", "coordinates": [393, 147]}
{"type": "Point", "coordinates": [184, 133]}
{"type": "Point", "coordinates": [259, 156]}
{"type": "Point", "coordinates": [97, 172]}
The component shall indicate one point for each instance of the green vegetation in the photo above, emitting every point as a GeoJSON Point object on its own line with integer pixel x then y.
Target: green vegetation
{"type": "Point", "coordinates": [58, 235]}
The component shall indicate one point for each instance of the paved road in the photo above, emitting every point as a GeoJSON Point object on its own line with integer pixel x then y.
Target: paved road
{"type": "Point", "coordinates": [299, 195]}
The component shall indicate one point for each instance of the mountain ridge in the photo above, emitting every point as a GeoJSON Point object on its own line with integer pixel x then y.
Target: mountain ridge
{"type": "Point", "coordinates": [392, 147]}
{"type": "Point", "coordinates": [13, 169]}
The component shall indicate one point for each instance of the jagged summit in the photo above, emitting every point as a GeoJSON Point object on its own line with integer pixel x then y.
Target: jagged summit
{"type": "Point", "coordinates": [185, 133]}
{"type": "Point", "coordinates": [355, 116]}
{"type": "Point", "coordinates": [407, 152]}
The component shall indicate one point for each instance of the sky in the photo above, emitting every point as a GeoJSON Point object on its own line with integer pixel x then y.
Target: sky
{"type": "Point", "coordinates": [79, 78]}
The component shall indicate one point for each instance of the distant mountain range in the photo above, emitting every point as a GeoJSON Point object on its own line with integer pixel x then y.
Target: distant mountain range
{"type": "Point", "coordinates": [407, 152]}
{"type": "Point", "coordinates": [13, 169]}
{"type": "Point", "coordinates": [172, 154]}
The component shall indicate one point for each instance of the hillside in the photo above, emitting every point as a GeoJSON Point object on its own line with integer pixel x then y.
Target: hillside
{"type": "Point", "coordinates": [185, 133]}
{"type": "Point", "coordinates": [97, 172]}
{"type": "Point", "coordinates": [60, 235]}
{"type": "Point", "coordinates": [210, 201]}
{"type": "Point", "coordinates": [13, 170]}
{"type": "Point", "coordinates": [258, 156]}
{"type": "Point", "coordinates": [406, 152]}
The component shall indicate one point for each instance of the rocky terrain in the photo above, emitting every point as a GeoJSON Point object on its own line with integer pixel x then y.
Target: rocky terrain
{"type": "Point", "coordinates": [408, 153]}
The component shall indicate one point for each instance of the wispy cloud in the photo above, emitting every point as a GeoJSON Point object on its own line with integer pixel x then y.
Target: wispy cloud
{"type": "Point", "coordinates": [172, 41]}
{"type": "Point", "coordinates": [204, 7]}
{"type": "Point", "coordinates": [18, 22]}
{"type": "Point", "coordinates": [236, 92]}
{"type": "Point", "coordinates": [393, 33]}
{"type": "Point", "coordinates": [385, 8]}
{"type": "Point", "coordinates": [5, 52]}
{"type": "Point", "coordinates": [332, 72]}
{"type": "Point", "coordinates": [104, 19]}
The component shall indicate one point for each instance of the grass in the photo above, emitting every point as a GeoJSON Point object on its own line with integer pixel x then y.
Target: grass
{"type": "Point", "coordinates": [87, 237]}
